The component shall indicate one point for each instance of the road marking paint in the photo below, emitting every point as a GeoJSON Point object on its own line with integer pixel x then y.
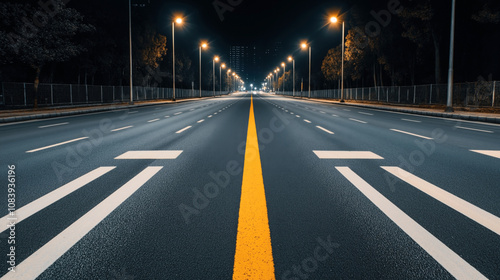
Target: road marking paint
{"type": "Point", "coordinates": [220, 111]}
{"type": "Point", "coordinates": [307, 121]}
{"type": "Point", "coordinates": [324, 129]}
{"type": "Point", "coordinates": [357, 120]}
{"type": "Point", "coordinates": [191, 110]}
{"type": "Point", "coordinates": [291, 113]}
{"type": "Point", "coordinates": [52, 125]}
{"type": "Point", "coordinates": [490, 153]}
{"type": "Point", "coordinates": [322, 112]}
{"type": "Point", "coordinates": [55, 145]}
{"type": "Point", "coordinates": [55, 195]}
{"type": "Point", "coordinates": [155, 120]}
{"type": "Point", "coordinates": [347, 110]}
{"type": "Point", "coordinates": [167, 154]}
{"type": "Point", "coordinates": [167, 116]}
{"type": "Point", "coordinates": [452, 262]}
{"type": "Point", "coordinates": [209, 116]}
{"type": "Point", "coordinates": [363, 113]}
{"type": "Point", "coordinates": [122, 128]}
{"type": "Point", "coordinates": [178, 113]}
{"type": "Point", "coordinates": [474, 129]}
{"type": "Point", "coordinates": [334, 116]}
{"type": "Point", "coordinates": [412, 134]}
{"type": "Point", "coordinates": [347, 155]}
{"type": "Point", "coordinates": [133, 112]}
{"type": "Point", "coordinates": [469, 210]}
{"type": "Point", "coordinates": [184, 129]}
{"type": "Point", "coordinates": [253, 257]}
{"type": "Point", "coordinates": [44, 257]}
{"type": "Point", "coordinates": [408, 120]}
{"type": "Point", "coordinates": [200, 121]}
{"type": "Point", "coordinates": [297, 116]}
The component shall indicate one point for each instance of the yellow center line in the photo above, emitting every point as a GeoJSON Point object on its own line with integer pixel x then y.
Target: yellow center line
{"type": "Point", "coordinates": [254, 257]}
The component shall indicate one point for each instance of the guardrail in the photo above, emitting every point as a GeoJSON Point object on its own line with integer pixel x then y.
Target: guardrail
{"type": "Point", "coordinates": [22, 94]}
{"type": "Point", "coordinates": [479, 94]}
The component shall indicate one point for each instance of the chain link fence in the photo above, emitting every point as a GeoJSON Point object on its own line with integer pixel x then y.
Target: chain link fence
{"type": "Point", "coordinates": [23, 94]}
{"type": "Point", "coordinates": [479, 94]}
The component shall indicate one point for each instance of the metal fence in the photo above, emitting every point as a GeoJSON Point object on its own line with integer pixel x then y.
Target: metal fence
{"type": "Point", "coordinates": [479, 94]}
{"type": "Point", "coordinates": [22, 94]}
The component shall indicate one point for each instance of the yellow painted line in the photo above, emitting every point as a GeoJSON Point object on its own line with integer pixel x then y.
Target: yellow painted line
{"type": "Point", "coordinates": [253, 258]}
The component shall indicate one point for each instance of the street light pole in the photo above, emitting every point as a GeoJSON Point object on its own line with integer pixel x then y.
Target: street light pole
{"type": "Point", "coordinates": [130, 49]}
{"type": "Point", "coordinates": [309, 71]}
{"type": "Point", "coordinates": [284, 71]}
{"type": "Point", "coordinates": [200, 72]}
{"type": "Point", "coordinates": [173, 60]}
{"type": "Point", "coordinates": [449, 103]}
{"type": "Point", "coordinates": [342, 82]}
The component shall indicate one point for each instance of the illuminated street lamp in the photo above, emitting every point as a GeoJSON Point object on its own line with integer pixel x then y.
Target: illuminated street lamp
{"type": "Point", "coordinates": [178, 20]}
{"type": "Point", "coordinates": [223, 65]}
{"type": "Point", "coordinates": [335, 20]}
{"type": "Point", "coordinates": [216, 59]}
{"type": "Point", "coordinates": [290, 58]}
{"type": "Point", "coordinates": [284, 71]}
{"type": "Point", "coordinates": [202, 46]}
{"type": "Point", "coordinates": [304, 46]}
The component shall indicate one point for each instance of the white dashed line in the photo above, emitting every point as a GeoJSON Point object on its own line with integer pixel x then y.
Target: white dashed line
{"type": "Point", "coordinates": [324, 129]}
{"type": "Point", "coordinates": [184, 129]}
{"type": "Point", "coordinates": [51, 125]}
{"type": "Point", "coordinates": [55, 145]}
{"type": "Point", "coordinates": [178, 113]}
{"type": "Point", "coordinates": [474, 129]}
{"type": "Point", "coordinates": [307, 121]}
{"type": "Point", "coordinates": [408, 120]}
{"type": "Point", "coordinates": [363, 113]}
{"type": "Point", "coordinates": [355, 120]}
{"type": "Point", "coordinates": [412, 134]}
{"type": "Point", "coordinates": [122, 128]}
{"type": "Point", "coordinates": [200, 121]}
{"type": "Point", "coordinates": [155, 120]}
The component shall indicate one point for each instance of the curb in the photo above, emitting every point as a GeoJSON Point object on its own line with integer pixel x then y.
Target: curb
{"type": "Point", "coordinates": [86, 111]}
{"type": "Point", "coordinates": [416, 112]}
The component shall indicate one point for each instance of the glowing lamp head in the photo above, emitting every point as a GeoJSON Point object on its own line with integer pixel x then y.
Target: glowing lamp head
{"type": "Point", "coordinates": [178, 20]}
{"type": "Point", "coordinates": [334, 19]}
{"type": "Point", "coordinates": [282, 64]}
{"type": "Point", "coordinates": [303, 45]}
{"type": "Point", "coordinates": [223, 65]}
{"type": "Point", "coordinates": [204, 45]}
{"type": "Point", "coordinates": [216, 59]}
{"type": "Point", "coordinates": [290, 58]}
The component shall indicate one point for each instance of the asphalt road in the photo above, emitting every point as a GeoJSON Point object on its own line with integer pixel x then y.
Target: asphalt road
{"type": "Point", "coordinates": [180, 191]}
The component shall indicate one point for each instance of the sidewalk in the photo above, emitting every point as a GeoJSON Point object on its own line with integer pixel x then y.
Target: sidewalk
{"type": "Point", "coordinates": [8, 116]}
{"type": "Point", "coordinates": [462, 115]}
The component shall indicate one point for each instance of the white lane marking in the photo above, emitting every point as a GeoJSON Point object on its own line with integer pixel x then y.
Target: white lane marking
{"type": "Point", "coordinates": [347, 110]}
{"type": "Point", "coordinates": [474, 129]}
{"type": "Point", "coordinates": [355, 120]}
{"type": "Point", "coordinates": [322, 112]}
{"type": "Point", "coordinates": [200, 121]}
{"type": "Point", "coordinates": [122, 128]}
{"type": "Point", "coordinates": [297, 116]}
{"type": "Point", "coordinates": [452, 262]}
{"type": "Point", "coordinates": [191, 110]}
{"type": "Point", "coordinates": [184, 129]}
{"type": "Point", "coordinates": [291, 113]}
{"type": "Point", "coordinates": [490, 153]}
{"type": "Point", "coordinates": [324, 129]}
{"type": "Point", "coordinates": [167, 116]}
{"type": "Point", "coordinates": [220, 111]}
{"type": "Point", "coordinates": [55, 145]}
{"type": "Point", "coordinates": [55, 195]}
{"type": "Point", "coordinates": [210, 116]}
{"type": "Point", "coordinates": [133, 112]}
{"type": "Point", "coordinates": [44, 257]}
{"type": "Point", "coordinates": [155, 120]}
{"type": "Point", "coordinates": [412, 134]}
{"type": "Point", "coordinates": [408, 120]}
{"type": "Point", "coordinates": [215, 113]}
{"type": "Point", "coordinates": [307, 121]}
{"type": "Point", "coordinates": [51, 125]}
{"type": "Point", "coordinates": [363, 113]}
{"type": "Point", "coordinates": [469, 210]}
{"type": "Point", "coordinates": [178, 113]}
{"type": "Point", "coordinates": [347, 155]}
{"type": "Point", "coordinates": [170, 154]}
{"type": "Point", "coordinates": [334, 116]}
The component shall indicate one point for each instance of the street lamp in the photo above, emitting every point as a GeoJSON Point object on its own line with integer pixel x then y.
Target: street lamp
{"type": "Point", "coordinates": [216, 59]}
{"type": "Point", "coordinates": [335, 20]}
{"type": "Point", "coordinates": [304, 46]}
{"type": "Point", "coordinates": [202, 46]}
{"type": "Point", "coordinates": [130, 50]}
{"type": "Point", "coordinates": [234, 81]}
{"type": "Point", "coordinates": [284, 71]}
{"type": "Point", "coordinates": [449, 103]}
{"type": "Point", "coordinates": [178, 21]}
{"type": "Point", "coordinates": [290, 58]}
{"type": "Point", "coordinates": [223, 65]}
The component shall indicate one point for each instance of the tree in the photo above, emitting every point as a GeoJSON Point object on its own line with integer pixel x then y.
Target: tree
{"type": "Point", "coordinates": [40, 37]}
{"type": "Point", "coordinates": [331, 66]}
